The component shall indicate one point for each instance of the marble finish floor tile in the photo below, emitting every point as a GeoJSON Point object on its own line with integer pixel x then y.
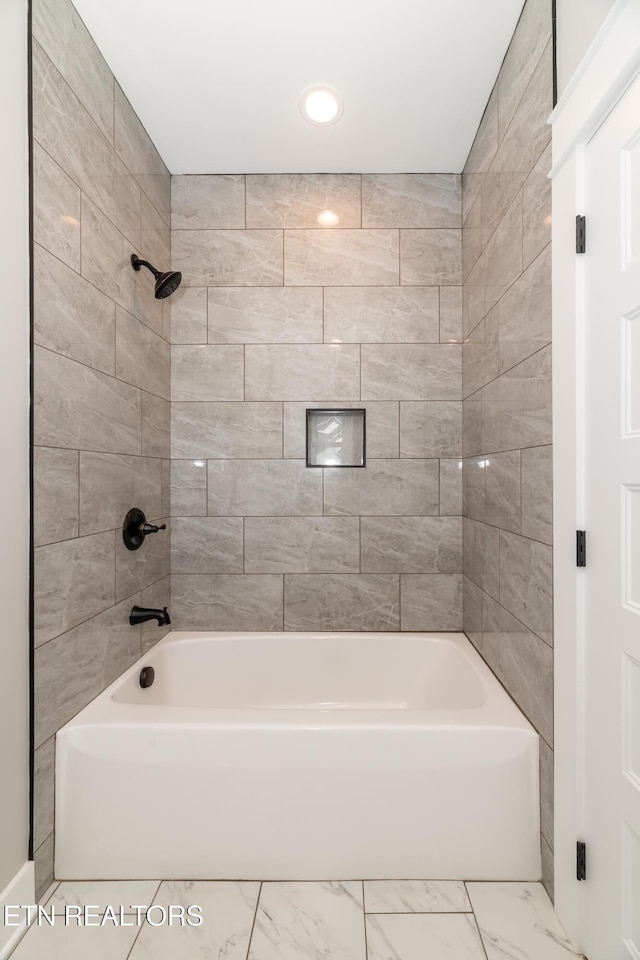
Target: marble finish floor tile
{"type": "Point", "coordinates": [420, 936]}
{"type": "Point", "coordinates": [517, 922]}
{"type": "Point", "coordinates": [75, 943]}
{"type": "Point", "coordinates": [415, 896]}
{"type": "Point", "coordinates": [103, 893]}
{"type": "Point", "coordinates": [310, 920]}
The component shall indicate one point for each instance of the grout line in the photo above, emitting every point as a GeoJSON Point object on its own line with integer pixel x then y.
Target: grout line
{"type": "Point", "coordinates": [255, 917]}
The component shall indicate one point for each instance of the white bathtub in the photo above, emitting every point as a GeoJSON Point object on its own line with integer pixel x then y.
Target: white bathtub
{"type": "Point", "coordinates": [300, 756]}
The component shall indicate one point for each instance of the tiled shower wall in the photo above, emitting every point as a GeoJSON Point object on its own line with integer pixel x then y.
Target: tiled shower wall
{"type": "Point", "coordinates": [277, 314]}
{"type": "Point", "coordinates": [101, 372]}
{"type": "Point", "coordinates": [507, 387]}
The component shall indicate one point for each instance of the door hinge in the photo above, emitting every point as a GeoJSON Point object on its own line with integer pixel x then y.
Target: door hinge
{"type": "Point", "coordinates": [581, 234]}
{"type": "Point", "coordinates": [581, 860]}
{"type": "Point", "coordinates": [581, 548]}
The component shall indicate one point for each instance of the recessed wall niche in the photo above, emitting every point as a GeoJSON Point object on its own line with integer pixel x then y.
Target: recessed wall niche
{"type": "Point", "coordinates": [336, 438]}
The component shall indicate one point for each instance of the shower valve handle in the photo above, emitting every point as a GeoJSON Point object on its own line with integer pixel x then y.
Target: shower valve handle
{"type": "Point", "coordinates": [146, 528]}
{"type": "Point", "coordinates": [135, 528]}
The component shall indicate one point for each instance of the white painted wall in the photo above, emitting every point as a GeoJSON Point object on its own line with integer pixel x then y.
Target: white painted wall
{"type": "Point", "coordinates": [578, 21]}
{"type": "Point", "coordinates": [14, 443]}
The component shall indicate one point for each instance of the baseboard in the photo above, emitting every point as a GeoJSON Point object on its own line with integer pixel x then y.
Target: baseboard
{"type": "Point", "coordinates": [20, 890]}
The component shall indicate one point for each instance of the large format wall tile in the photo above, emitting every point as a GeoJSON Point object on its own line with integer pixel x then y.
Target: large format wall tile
{"type": "Point", "coordinates": [383, 488]}
{"type": "Point", "coordinates": [411, 372]}
{"type": "Point", "coordinates": [70, 316]}
{"type": "Point", "coordinates": [292, 372]}
{"type": "Point", "coordinates": [525, 313]}
{"type": "Point", "coordinates": [265, 315]}
{"type": "Point", "coordinates": [472, 608]}
{"type": "Point", "coordinates": [297, 200]}
{"type": "Point", "coordinates": [73, 580]}
{"type": "Point", "coordinates": [56, 209]}
{"type": "Point", "coordinates": [381, 315]}
{"type": "Point", "coordinates": [207, 203]}
{"type": "Point", "coordinates": [202, 372]}
{"type": "Point", "coordinates": [110, 485]}
{"type": "Point", "coordinates": [529, 132]}
{"type": "Point", "coordinates": [341, 257]}
{"type": "Point", "coordinates": [516, 408]}
{"type": "Point", "coordinates": [485, 145]}
{"type": "Point", "coordinates": [140, 156]}
{"type": "Point", "coordinates": [263, 488]}
{"type": "Point", "coordinates": [142, 357]}
{"type": "Point", "coordinates": [80, 408]}
{"type": "Point", "coordinates": [43, 799]}
{"type": "Point", "coordinates": [537, 490]}
{"type": "Point", "coordinates": [342, 602]}
{"type": "Point", "coordinates": [431, 602]}
{"type": "Point", "coordinates": [431, 257]}
{"type": "Point", "coordinates": [140, 568]}
{"type": "Point", "coordinates": [189, 315]}
{"type": "Point", "coordinates": [432, 429]}
{"type": "Point", "coordinates": [451, 487]}
{"type": "Point", "coordinates": [230, 602]}
{"type": "Point", "coordinates": [156, 423]}
{"type": "Point", "coordinates": [228, 258]}
{"type": "Point", "coordinates": [526, 582]}
{"type": "Point", "coordinates": [207, 545]}
{"type": "Point", "coordinates": [188, 488]}
{"type": "Point", "coordinates": [55, 508]}
{"type": "Point", "coordinates": [381, 428]}
{"type": "Point", "coordinates": [525, 50]}
{"type": "Point", "coordinates": [450, 315]}
{"type": "Point", "coordinates": [224, 430]}
{"type": "Point", "coordinates": [302, 545]}
{"type": "Point", "coordinates": [481, 555]}
{"type": "Point", "coordinates": [536, 209]}
{"type": "Point", "coordinates": [411, 544]}
{"type": "Point", "coordinates": [412, 200]}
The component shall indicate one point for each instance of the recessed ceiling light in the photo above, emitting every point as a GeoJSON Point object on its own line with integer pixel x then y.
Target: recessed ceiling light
{"type": "Point", "coordinates": [321, 105]}
{"type": "Point", "coordinates": [328, 219]}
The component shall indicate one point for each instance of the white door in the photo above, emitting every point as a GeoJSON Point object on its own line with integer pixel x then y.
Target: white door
{"type": "Point", "coordinates": [611, 476]}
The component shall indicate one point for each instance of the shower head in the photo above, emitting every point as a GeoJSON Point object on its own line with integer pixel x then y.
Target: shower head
{"type": "Point", "coordinates": [166, 283]}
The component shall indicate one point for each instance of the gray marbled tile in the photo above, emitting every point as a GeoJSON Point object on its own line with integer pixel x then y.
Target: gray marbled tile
{"type": "Point", "coordinates": [207, 545]}
{"type": "Point", "coordinates": [529, 132]}
{"type": "Point", "coordinates": [165, 488]}
{"type": "Point", "coordinates": [297, 199]}
{"type": "Point", "coordinates": [155, 235]}
{"type": "Point", "coordinates": [268, 488]}
{"type": "Point", "coordinates": [526, 582]}
{"type": "Point", "coordinates": [265, 315]}
{"type": "Point", "coordinates": [111, 484]}
{"type": "Point", "coordinates": [527, 46]}
{"type": "Point", "coordinates": [224, 430]}
{"type": "Point", "coordinates": [474, 306]}
{"type": "Point", "coordinates": [480, 353]}
{"type": "Point", "coordinates": [55, 491]}
{"type": "Point", "coordinates": [364, 258]}
{"type": "Point", "coordinates": [296, 371]}
{"type": "Point", "coordinates": [481, 555]}
{"type": "Point", "coordinates": [431, 429]}
{"type": "Point", "coordinates": [56, 209]}
{"type": "Point", "coordinates": [411, 544]}
{"type": "Point", "coordinates": [431, 602]}
{"type": "Point", "coordinates": [499, 265]}
{"type": "Point", "coordinates": [472, 601]}
{"type": "Point", "coordinates": [140, 156]}
{"type": "Point", "coordinates": [207, 372]}
{"type": "Point", "coordinates": [43, 784]}
{"type": "Point", "coordinates": [70, 316]}
{"type": "Point", "coordinates": [474, 487]}
{"type": "Point", "coordinates": [522, 662]}
{"type": "Point", "coordinates": [536, 209]}
{"type": "Point", "coordinates": [75, 667]}
{"type": "Point", "coordinates": [471, 190]}
{"type": "Point", "coordinates": [189, 315]}
{"type": "Point", "coordinates": [383, 488]}
{"type": "Point", "coordinates": [73, 580]}
{"type": "Point", "coordinates": [537, 493]}
{"type": "Point", "coordinates": [228, 258]}
{"type": "Point", "coordinates": [78, 407]}
{"type": "Point", "coordinates": [450, 314]}
{"type": "Point", "coordinates": [412, 200]}
{"type": "Point", "coordinates": [188, 488]}
{"type": "Point", "coordinates": [472, 425]}
{"type": "Point", "coordinates": [499, 188]}
{"type": "Point", "coordinates": [381, 315]}
{"type": "Point", "coordinates": [451, 488]}
{"type": "Point", "coordinates": [227, 602]}
{"type": "Point", "coordinates": [382, 426]}
{"type": "Point", "coordinates": [547, 868]}
{"type": "Point", "coordinates": [66, 131]}
{"type": "Point", "coordinates": [431, 257]}
{"type": "Point", "coordinates": [415, 896]}
{"type": "Point", "coordinates": [485, 144]}
{"type": "Point", "coordinates": [43, 867]}
{"type": "Point", "coordinates": [106, 263]}
{"type": "Point", "coordinates": [341, 602]}
{"type": "Point", "coordinates": [546, 792]}
{"type": "Point", "coordinates": [67, 42]}
{"type": "Point", "coordinates": [157, 595]}
{"type": "Point", "coordinates": [138, 569]}
{"type": "Point", "coordinates": [302, 545]}
{"type": "Point", "coordinates": [400, 371]}
{"type": "Point", "coordinates": [516, 408]}
{"type": "Point", "coordinates": [207, 202]}
{"type": "Point", "coordinates": [472, 237]}
{"type": "Point", "coordinates": [156, 423]}
{"type": "Point", "coordinates": [502, 504]}
{"type": "Point", "coordinates": [142, 357]}
{"type": "Point", "coordinates": [525, 313]}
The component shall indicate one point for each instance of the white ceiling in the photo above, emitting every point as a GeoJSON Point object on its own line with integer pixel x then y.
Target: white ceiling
{"type": "Point", "coordinates": [217, 82]}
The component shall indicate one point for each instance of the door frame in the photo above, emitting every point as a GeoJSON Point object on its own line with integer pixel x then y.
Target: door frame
{"type": "Point", "coordinates": [609, 67]}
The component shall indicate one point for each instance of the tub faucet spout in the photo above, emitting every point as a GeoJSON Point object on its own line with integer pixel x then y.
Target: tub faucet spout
{"type": "Point", "coordinates": [142, 614]}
